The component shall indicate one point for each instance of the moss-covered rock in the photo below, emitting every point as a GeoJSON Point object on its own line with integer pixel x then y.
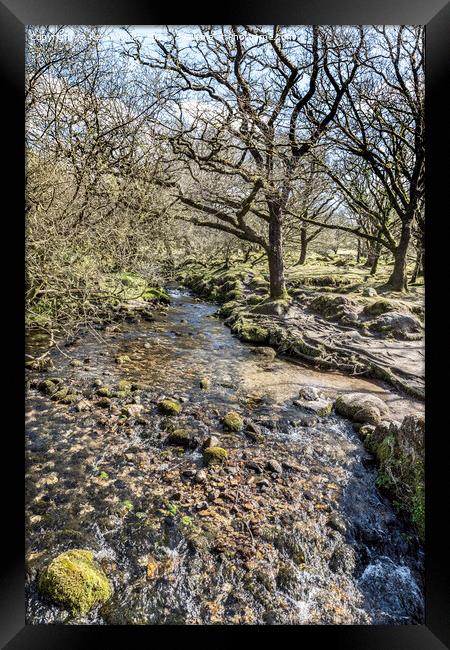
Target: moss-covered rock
{"type": "Point", "coordinates": [104, 402]}
{"type": "Point", "coordinates": [104, 391]}
{"type": "Point", "coordinates": [179, 438]}
{"type": "Point", "coordinates": [272, 307]}
{"type": "Point", "coordinates": [121, 359]}
{"type": "Point", "coordinates": [75, 581]}
{"type": "Point", "coordinates": [152, 294]}
{"type": "Point", "coordinates": [399, 449]}
{"type": "Point", "coordinates": [204, 383]}
{"type": "Point", "coordinates": [249, 331]}
{"type": "Point", "coordinates": [71, 398]}
{"type": "Point", "coordinates": [60, 394]}
{"type": "Point", "coordinates": [232, 421]}
{"type": "Point", "coordinates": [214, 455]}
{"type": "Point", "coordinates": [378, 307]}
{"type": "Point", "coordinates": [169, 407]}
{"type": "Point", "coordinates": [40, 364]}
{"type": "Point", "coordinates": [47, 386]}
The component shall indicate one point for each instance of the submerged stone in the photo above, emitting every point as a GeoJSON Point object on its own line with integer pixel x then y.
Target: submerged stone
{"type": "Point", "coordinates": [233, 421]}
{"type": "Point", "coordinates": [169, 407]}
{"type": "Point", "coordinates": [179, 438]}
{"type": "Point", "coordinates": [214, 455]}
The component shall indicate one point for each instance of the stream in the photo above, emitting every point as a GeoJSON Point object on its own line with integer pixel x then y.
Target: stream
{"type": "Point", "coordinates": [308, 539]}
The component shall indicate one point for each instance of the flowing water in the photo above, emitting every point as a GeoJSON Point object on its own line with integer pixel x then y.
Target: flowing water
{"type": "Point", "coordinates": [310, 542]}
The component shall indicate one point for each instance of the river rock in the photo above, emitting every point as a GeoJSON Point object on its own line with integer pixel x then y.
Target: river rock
{"type": "Point", "coordinates": [369, 292]}
{"type": "Point", "coordinates": [274, 466]}
{"type": "Point", "coordinates": [320, 407]}
{"type": "Point", "coordinates": [211, 441]}
{"type": "Point", "coordinates": [133, 410]}
{"type": "Point", "coordinates": [75, 581]}
{"type": "Point", "coordinates": [264, 351]}
{"type": "Point", "coordinates": [309, 393]}
{"type": "Point", "coordinates": [362, 407]}
{"type": "Point", "coordinates": [397, 324]}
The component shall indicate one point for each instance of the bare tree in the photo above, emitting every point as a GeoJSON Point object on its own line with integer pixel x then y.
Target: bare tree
{"type": "Point", "coordinates": [381, 122]}
{"type": "Point", "coordinates": [243, 106]}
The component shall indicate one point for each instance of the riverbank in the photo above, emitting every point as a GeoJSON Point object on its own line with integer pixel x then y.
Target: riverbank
{"type": "Point", "coordinates": [289, 528]}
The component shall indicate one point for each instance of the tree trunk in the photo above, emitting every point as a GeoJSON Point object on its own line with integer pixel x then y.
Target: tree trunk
{"type": "Point", "coordinates": [275, 254]}
{"type": "Point", "coordinates": [399, 280]}
{"type": "Point", "coordinates": [418, 266]}
{"type": "Point", "coordinates": [376, 257]}
{"type": "Point", "coordinates": [370, 255]}
{"type": "Point", "coordinates": [358, 251]}
{"type": "Point", "coordinates": [303, 245]}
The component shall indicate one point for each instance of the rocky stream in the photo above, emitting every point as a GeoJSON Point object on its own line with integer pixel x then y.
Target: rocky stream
{"type": "Point", "coordinates": [289, 528]}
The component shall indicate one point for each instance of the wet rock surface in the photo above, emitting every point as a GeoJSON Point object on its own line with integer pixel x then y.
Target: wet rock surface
{"type": "Point", "coordinates": [288, 526]}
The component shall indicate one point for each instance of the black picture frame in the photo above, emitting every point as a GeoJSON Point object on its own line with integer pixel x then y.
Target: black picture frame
{"type": "Point", "coordinates": [435, 14]}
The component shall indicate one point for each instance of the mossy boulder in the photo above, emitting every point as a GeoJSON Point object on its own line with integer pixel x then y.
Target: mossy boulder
{"type": "Point", "coordinates": [204, 383]}
{"type": "Point", "coordinates": [378, 307]}
{"type": "Point", "coordinates": [179, 438]}
{"type": "Point", "coordinates": [104, 391]}
{"type": "Point", "coordinates": [362, 407]}
{"type": "Point", "coordinates": [75, 581]}
{"type": "Point", "coordinates": [399, 325]}
{"type": "Point", "coordinates": [47, 386]}
{"type": "Point", "coordinates": [214, 455]}
{"type": "Point", "coordinates": [400, 451]}
{"type": "Point", "coordinates": [232, 421]}
{"type": "Point", "coordinates": [272, 307]}
{"type": "Point", "coordinates": [169, 407]}
{"type": "Point", "coordinates": [250, 332]}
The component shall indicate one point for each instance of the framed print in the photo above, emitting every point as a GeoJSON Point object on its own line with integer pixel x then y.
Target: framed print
{"type": "Point", "coordinates": [227, 232]}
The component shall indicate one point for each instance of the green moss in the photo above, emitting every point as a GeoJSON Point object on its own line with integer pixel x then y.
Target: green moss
{"type": "Point", "coordinates": [75, 581]}
{"type": "Point", "coordinates": [104, 402]}
{"type": "Point", "coordinates": [153, 294]}
{"type": "Point", "coordinates": [40, 365]}
{"type": "Point", "coordinates": [104, 391]}
{"type": "Point", "coordinates": [214, 455]}
{"type": "Point", "coordinates": [253, 299]}
{"type": "Point", "coordinates": [233, 421]}
{"type": "Point", "coordinates": [47, 386]}
{"type": "Point", "coordinates": [60, 394]}
{"type": "Point", "coordinates": [179, 437]}
{"type": "Point", "coordinates": [71, 398]}
{"type": "Point", "coordinates": [122, 358]}
{"type": "Point", "coordinates": [169, 407]}
{"type": "Point", "coordinates": [228, 308]}
{"type": "Point", "coordinates": [378, 307]}
{"type": "Point", "coordinates": [204, 383]}
{"type": "Point", "coordinates": [249, 331]}
{"type": "Point", "coordinates": [123, 386]}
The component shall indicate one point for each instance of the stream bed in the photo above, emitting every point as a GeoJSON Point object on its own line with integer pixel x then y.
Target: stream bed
{"type": "Point", "coordinates": [290, 530]}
